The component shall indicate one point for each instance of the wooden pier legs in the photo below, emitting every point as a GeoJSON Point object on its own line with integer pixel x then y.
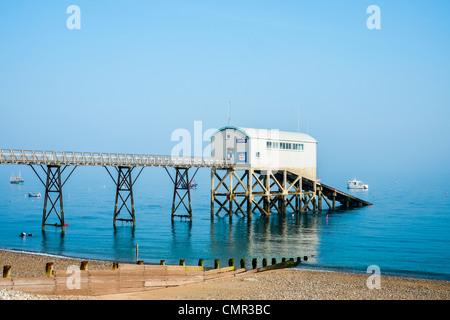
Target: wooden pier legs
{"type": "Point", "coordinates": [53, 194]}
{"type": "Point", "coordinates": [124, 193]}
{"type": "Point", "coordinates": [264, 190]}
{"type": "Point", "coordinates": [232, 193]}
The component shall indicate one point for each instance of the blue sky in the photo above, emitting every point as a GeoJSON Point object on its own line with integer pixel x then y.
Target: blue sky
{"type": "Point", "coordinates": [376, 100]}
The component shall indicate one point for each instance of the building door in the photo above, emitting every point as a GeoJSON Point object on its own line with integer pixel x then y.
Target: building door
{"type": "Point", "coordinates": [230, 155]}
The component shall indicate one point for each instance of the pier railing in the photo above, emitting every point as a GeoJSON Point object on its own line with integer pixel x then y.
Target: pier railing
{"type": "Point", "coordinates": [34, 157]}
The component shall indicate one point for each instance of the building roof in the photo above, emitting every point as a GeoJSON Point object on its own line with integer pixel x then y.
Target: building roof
{"type": "Point", "coordinates": [273, 134]}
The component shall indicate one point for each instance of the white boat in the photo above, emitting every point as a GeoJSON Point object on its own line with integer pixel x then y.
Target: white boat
{"type": "Point", "coordinates": [35, 195]}
{"type": "Point", "coordinates": [356, 184]}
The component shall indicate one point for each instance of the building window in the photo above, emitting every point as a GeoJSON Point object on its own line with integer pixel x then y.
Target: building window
{"type": "Point", "coordinates": [298, 146]}
{"type": "Point", "coordinates": [257, 154]}
{"type": "Point", "coordinates": [228, 136]}
{"type": "Point", "coordinates": [284, 145]}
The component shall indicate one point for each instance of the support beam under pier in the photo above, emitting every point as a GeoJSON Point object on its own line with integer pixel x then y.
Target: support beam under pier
{"type": "Point", "coordinates": [53, 194]}
{"type": "Point", "coordinates": [254, 190]}
{"type": "Point", "coordinates": [267, 190]}
{"type": "Point", "coordinates": [124, 193]}
{"type": "Point", "coordinates": [182, 186]}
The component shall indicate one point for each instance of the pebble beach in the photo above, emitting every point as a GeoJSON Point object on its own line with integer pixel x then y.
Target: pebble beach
{"type": "Point", "coordinates": [284, 284]}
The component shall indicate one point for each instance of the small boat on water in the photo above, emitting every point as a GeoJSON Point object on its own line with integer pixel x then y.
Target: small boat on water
{"type": "Point", "coordinates": [34, 195]}
{"type": "Point", "coordinates": [192, 185]}
{"type": "Point", "coordinates": [357, 184]}
{"type": "Point", "coordinates": [16, 180]}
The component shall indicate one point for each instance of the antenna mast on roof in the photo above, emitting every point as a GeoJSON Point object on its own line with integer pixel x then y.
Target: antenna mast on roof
{"type": "Point", "coordinates": [229, 112]}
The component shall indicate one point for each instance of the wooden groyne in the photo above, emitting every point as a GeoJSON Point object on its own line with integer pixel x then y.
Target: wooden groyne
{"type": "Point", "coordinates": [125, 277]}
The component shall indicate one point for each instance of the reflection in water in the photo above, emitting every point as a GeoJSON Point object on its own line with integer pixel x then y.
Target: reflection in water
{"type": "Point", "coordinates": [181, 238]}
{"type": "Point", "coordinates": [53, 242]}
{"type": "Point", "coordinates": [277, 236]}
{"type": "Point", "coordinates": [123, 244]}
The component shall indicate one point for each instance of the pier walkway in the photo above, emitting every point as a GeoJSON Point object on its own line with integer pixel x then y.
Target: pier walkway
{"type": "Point", "coordinates": [66, 158]}
{"type": "Point", "coordinates": [256, 189]}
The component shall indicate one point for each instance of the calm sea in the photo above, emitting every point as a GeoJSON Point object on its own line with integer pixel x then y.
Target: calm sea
{"type": "Point", "coordinates": [405, 233]}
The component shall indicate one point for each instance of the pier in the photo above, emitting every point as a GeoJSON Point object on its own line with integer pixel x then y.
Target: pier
{"type": "Point", "coordinates": [237, 190]}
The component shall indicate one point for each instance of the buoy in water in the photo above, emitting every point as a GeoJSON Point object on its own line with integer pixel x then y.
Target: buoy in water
{"type": "Point", "coordinates": [23, 234]}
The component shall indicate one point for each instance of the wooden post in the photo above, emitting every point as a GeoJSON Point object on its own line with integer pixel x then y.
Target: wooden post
{"type": "Point", "coordinates": [115, 266]}
{"type": "Point", "coordinates": [200, 262]}
{"type": "Point", "coordinates": [249, 193]}
{"type": "Point", "coordinates": [264, 262]}
{"type": "Point", "coordinates": [254, 263]}
{"type": "Point", "coordinates": [284, 184]}
{"type": "Point", "coordinates": [216, 264]}
{"type": "Point", "coordinates": [274, 261]}
{"type": "Point", "coordinates": [140, 262]}
{"type": "Point", "coordinates": [320, 195]}
{"type": "Point", "coordinates": [49, 269]}
{"type": "Point", "coordinates": [231, 263]}
{"type": "Point", "coordinates": [182, 262]}
{"type": "Point", "coordinates": [6, 271]}
{"type": "Point", "coordinates": [84, 265]}
{"type": "Point", "coordinates": [314, 197]}
{"type": "Point", "coordinates": [267, 193]}
{"type": "Point", "coordinates": [230, 193]}
{"type": "Point", "coordinates": [299, 260]}
{"type": "Point", "coordinates": [137, 252]}
{"type": "Point", "coordinates": [242, 263]}
{"type": "Point", "coordinates": [162, 262]}
{"type": "Point", "coordinates": [334, 201]}
{"type": "Point", "coordinates": [300, 188]}
{"type": "Point", "coordinates": [213, 195]}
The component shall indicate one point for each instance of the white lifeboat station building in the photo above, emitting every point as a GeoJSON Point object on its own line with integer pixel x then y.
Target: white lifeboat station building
{"type": "Point", "coordinates": [266, 149]}
{"type": "Point", "coordinates": [271, 169]}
